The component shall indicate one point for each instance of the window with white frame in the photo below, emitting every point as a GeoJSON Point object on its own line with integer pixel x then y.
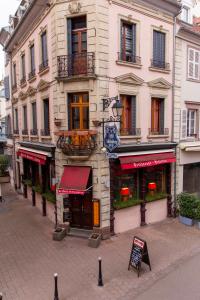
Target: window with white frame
{"type": "Point", "coordinates": [193, 63]}
{"type": "Point", "coordinates": [185, 15]}
{"type": "Point", "coordinates": [191, 122]}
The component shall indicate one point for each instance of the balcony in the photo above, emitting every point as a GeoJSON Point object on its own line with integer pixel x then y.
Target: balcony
{"type": "Point", "coordinates": [43, 66]}
{"type": "Point", "coordinates": [24, 131]}
{"type": "Point", "coordinates": [31, 75]}
{"type": "Point", "coordinates": [82, 64]}
{"type": "Point", "coordinates": [34, 132]}
{"type": "Point", "coordinates": [156, 132]}
{"type": "Point", "coordinates": [45, 132]}
{"type": "Point", "coordinates": [129, 58]}
{"type": "Point", "coordinates": [16, 131]}
{"type": "Point", "coordinates": [77, 145]}
{"type": "Point", "coordinates": [130, 132]}
{"type": "Point", "coordinates": [158, 64]}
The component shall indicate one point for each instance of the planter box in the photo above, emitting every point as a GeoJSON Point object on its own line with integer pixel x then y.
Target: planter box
{"type": "Point", "coordinates": [186, 221]}
{"type": "Point", "coordinates": [94, 240]}
{"type": "Point", "coordinates": [5, 179]}
{"type": "Point", "coordinates": [59, 234]}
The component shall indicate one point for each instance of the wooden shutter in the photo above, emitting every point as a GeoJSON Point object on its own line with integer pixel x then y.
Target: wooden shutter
{"type": "Point", "coordinates": [134, 39]}
{"type": "Point", "coordinates": [133, 113]}
{"type": "Point", "coordinates": [161, 116]}
{"type": "Point", "coordinates": [183, 124]}
{"type": "Point", "coordinates": [69, 36]}
{"type": "Point", "coordinates": [25, 117]}
{"type": "Point", "coordinates": [193, 63]}
{"type": "Point", "coordinates": [46, 114]}
{"type": "Point", "coordinates": [32, 50]}
{"type": "Point", "coordinates": [158, 48]}
{"type": "Point", "coordinates": [7, 87]}
{"type": "Point", "coordinates": [34, 116]}
{"type": "Point", "coordinates": [44, 47]}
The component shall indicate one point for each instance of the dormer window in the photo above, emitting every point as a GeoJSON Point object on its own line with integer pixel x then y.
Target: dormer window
{"type": "Point", "coordinates": [185, 16]}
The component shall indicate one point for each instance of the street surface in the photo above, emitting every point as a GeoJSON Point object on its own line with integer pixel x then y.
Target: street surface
{"type": "Point", "coordinates": [29, 258]}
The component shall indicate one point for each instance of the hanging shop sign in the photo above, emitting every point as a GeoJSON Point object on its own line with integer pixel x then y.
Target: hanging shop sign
{"type": "Point", "coordinates": [96, 213]}
{"type": "Point", "coordinates": [111, 138]}
{"type": "Point", "coordinates": [139, 254]}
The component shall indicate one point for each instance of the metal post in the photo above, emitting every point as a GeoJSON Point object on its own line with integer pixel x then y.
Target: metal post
{"type": "Point", "coordinates": [56, 215]}
{"type": "Point", "coordinates": [0, 198]}
{"type": "Point", "coordinates": [56, 287]}
{"type": "Point", "coordinates": [100, 280]}
{"type": "Point", "coordinates": [1, 296]}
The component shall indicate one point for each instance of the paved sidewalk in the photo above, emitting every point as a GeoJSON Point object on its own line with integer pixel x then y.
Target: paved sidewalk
{"type": "Point", "coordinates": [29, 257]}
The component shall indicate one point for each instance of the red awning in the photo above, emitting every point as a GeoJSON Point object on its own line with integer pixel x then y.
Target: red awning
{"type": "Point", "coordinates": [36, 157]}
{"type": "Point", "coordinates": [148, 160]}
{"type": "Point", "coordinates": [74, 180]}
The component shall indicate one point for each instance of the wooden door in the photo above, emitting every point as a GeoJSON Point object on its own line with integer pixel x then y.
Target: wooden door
{"type": "Point", "coordinates": [79, 51]}
{"type": "Point", "coordinates": [81, 211]}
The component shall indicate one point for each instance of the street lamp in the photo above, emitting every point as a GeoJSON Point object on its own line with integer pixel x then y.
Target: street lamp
{"type": "Point", "coordinates": [117, 109]}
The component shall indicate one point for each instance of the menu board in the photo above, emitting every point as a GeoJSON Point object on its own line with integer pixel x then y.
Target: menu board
{"type": "Point", "coordinates": [139, 254]}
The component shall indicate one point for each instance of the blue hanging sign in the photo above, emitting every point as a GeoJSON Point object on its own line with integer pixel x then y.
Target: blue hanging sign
{"type": "Point", "coordinates": [111, 138]}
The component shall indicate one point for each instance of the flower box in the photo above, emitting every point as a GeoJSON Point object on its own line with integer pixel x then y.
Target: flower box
{"type": "Point", "coordinates": [186, 221]}
{"type": "Point", "coordinates": [94, 240]}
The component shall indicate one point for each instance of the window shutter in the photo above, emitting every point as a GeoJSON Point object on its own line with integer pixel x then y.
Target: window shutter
{"type": "Point", "coordinates": [161, 116]}
{"type": "Point", "coordinates": [183, 124]}
{"type": "Point", "coordinates": [134, 39]}
{"type": "Point", "coordinates": [191, 63]}
{"type": "Point", "coordinates": [32, 49]}
{"type": "Point", "coordinates": [25, 117]}
{"type": "Point", "coordinates": [44, 47]}
{"type": "Point", "coordinates": [7, 87]}
{"type": "Point", "coordinates": [158, 48]}
{"type": "Point", "coordinates": [69, 113]}
{"type": "Point", "coordinates": [46, 114]}
{"type": "Point", "coordinates": [69, 36]}
{"type": "Point", "coordinates": [196, 67]}
{"type": "Point", "coordinates": [133, 113]}
{"type": "Point", "coordinates": [34, 116]}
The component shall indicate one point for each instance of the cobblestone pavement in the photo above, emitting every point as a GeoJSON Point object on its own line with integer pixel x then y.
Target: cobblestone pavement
{"type": "Point", "coordinates": [29, 257]}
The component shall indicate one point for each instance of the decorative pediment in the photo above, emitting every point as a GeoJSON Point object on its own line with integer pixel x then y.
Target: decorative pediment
{"type": "Point", "coordinates": [159, 83]}
{"type": "Point", "coordinates": [129, 79]}
{"type": "Point", "coordinates": [31, 91]}
{"type": "Point", "coordinates": [22, 95]}
{"type": "Point", "coordinates": [42, 85]}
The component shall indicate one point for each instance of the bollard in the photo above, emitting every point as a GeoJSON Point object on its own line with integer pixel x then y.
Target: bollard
{"type": "Point", "coordinates": [100, 280]}
{"type": "Point", "coordinates": [56, 287]}
{"type": "Point", "coordinates": [1, 296]}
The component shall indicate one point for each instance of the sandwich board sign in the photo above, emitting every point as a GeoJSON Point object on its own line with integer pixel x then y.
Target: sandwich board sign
{"type": "Point", "coordinates": [139, 254]}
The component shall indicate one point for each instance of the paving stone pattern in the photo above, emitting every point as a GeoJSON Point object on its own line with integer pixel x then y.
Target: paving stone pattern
{"type": "Point", "coordinates": [29, 257]}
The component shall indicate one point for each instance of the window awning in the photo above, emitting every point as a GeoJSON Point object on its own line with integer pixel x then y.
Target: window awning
{"type": "Point", "coordinates": [149, 160]}
{"type": "Point", "coordinates": [74, 180]}
{"type": "Point", "coordinates": [39, 157]}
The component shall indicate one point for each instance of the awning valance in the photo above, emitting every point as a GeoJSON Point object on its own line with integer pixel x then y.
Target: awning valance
{"type": "Point", "coordinates": [75, 180]}
{"type": "Point", "coordinates": [149, 160]}
{"type": "Point", "coordinates": [37, 157]}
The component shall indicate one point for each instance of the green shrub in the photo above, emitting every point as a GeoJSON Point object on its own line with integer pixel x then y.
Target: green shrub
{"type": "Point", "coordinates": [4, 162]}
{"type": "Point", "coordinates": [28, 182]}
{"type": "Point", "coordinates": [197, 211]}
{"type": "Point", "coordinates": [49, 196]}
{"type": "Point", "coordinates": [187, 205]}
{"type": "Point", "coordinates": [37, 188]}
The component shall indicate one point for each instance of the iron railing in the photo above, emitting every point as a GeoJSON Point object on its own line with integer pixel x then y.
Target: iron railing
{"type": "Point", "coordinates": [159, 131]}
{"type": "Point", "coordinates": [31, 74]}
{"type": "Point", "coordinates": [45, 132]}
{"type": "Point", "coordinates": [77, 143]}
{"type": "Point", "coordinates": [25, 131]}
{"type": "Point", "coordinates": [76, 64]}
{"type": "Point", "coordinates": [129, 58]}
{"type": "Point", "coordinates": [43, 65]}
{"type": "Point", "coordinates": [34, 131]}
{"type": "Point", "coordinates": [130, 131]}
{"type": "Point", "coordinates": [160, 64]}
{"type": "Point", "coordinates": [16, 131]}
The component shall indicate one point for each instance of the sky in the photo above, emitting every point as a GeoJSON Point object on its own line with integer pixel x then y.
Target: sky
{"type": "Point", "coordinates": [9, 7]}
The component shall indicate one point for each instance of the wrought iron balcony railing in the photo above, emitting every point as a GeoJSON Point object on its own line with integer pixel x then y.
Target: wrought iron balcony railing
{"type": "Point", "coordinates": [161, 131]}
{"type": "Point", "coordinates": [129, 58]}
{"type": "Point", "coordinates": [25, 131]}
{"type": "Point", "coordinates": [45, 132]}
{"type": "Point", "coordinates": [34, 131]}
{"type": "Point", "coordinates": [130, 131]}
{"type": "Point", "coordinates": [44, 65]}
{"type": "Point", "coordinates": [159, 64]}
{"type": "Point", "coordinates": [31, 74]}
{"type": "Point", "coordinates": [16, 131]}
{"type": "Point", "coordinates": [77, 143]}
{"type": "Point", "coordinates": [76, 65]}
{"type": "Point", "coordinates": [23, 80]}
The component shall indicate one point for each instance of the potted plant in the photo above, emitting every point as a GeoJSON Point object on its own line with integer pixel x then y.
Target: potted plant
{"type": "Point", "coordinates": [4, 174]}
{"type": "Point", "coordinates": [187, 206]}
{"type": "Point", "coordinates": [59, 233]}
{"type": "Point", "coordinates": [197, 214]}
{"type": "Point", "coordinates": [94, 240]}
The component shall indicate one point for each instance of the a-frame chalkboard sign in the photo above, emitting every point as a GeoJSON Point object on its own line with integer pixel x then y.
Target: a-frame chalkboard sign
{"type": "Point", "coordinates": [139, 254]}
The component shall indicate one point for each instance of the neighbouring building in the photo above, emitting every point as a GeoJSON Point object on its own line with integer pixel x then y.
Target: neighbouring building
{"type": "Point", "coordinates": [71, 61]}
{"type": "Point", "coordinates": [187, 102]}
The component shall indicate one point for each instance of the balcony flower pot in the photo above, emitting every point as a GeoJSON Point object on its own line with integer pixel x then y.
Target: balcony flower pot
{"type": "Point", "coordinates": [186, 221]}
{"type": "Point", "coordinates": [59, 233]}
{"type": "Point", "coordinates": [94, 240]}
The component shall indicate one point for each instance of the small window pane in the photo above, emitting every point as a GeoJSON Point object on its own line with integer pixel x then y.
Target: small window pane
{"type": "Point", "coordinates": [75, 118]}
